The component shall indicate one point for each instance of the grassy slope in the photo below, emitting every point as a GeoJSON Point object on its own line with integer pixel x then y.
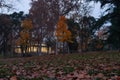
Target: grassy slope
{"type": "Point", "coordinates": [90, 66]}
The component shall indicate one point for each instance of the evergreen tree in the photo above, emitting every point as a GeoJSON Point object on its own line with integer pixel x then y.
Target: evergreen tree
{"type": "Point", "coordinates": [113, 16]}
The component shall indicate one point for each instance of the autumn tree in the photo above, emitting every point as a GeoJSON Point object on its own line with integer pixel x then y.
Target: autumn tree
{"type": "Point", "coordinates": [45, 16]}
{"type": "Point", "coordinates": [62, 33]}
{"type": "Point", "coordinates": [24, 39]}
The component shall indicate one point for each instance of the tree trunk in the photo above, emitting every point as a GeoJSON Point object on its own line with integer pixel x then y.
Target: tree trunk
{"type": "Point", "coordinates": [56, 50]}
{"type": "Point", "coordinates": [67, 48]}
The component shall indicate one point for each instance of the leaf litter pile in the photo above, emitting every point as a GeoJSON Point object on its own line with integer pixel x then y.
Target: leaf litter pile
{"type": "Point", "coordinates": [87, 66]}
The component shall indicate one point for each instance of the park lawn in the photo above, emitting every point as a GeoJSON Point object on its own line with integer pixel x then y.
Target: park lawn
{"type": "Point", "coordinates": [79, 66]}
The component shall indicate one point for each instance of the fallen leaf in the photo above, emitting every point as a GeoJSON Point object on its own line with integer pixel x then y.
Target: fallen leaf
{"type": "Point", "coordinates": [100, 75]}
{"type": "Point", "coordinates": [13, 78]}
{"type": "Point", "coordinates": [118, 78]}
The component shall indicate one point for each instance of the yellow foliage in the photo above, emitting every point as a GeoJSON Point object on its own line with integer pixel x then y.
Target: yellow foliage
{"type": "Point", "coordinates": [62, 33]}
{"type": "Point", "coordinates": [27, 24]}
{"type": "Point", "coordinates": [24, 34]}
{"type": "Point", "coordinates": [62, 18]}
{"type": "Point", "coordinates": [18, 42]}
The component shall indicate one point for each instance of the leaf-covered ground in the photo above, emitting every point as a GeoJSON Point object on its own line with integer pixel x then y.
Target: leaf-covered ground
{"type": "Point", "coordinates": [84, 66]}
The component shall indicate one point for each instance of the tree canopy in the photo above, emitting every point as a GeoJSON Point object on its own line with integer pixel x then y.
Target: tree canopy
{"type": "Point", "coordinates": [62, 33]}
{"type": "Point", "coordinates": [113, 16]}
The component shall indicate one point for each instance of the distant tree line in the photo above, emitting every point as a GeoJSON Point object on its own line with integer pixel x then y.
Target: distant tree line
{"type": "Point", "coordinates": [64, 26]}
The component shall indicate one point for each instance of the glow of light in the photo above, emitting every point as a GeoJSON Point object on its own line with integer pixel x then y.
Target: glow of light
{"type": "Point", "coordinates": [33, 49]}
